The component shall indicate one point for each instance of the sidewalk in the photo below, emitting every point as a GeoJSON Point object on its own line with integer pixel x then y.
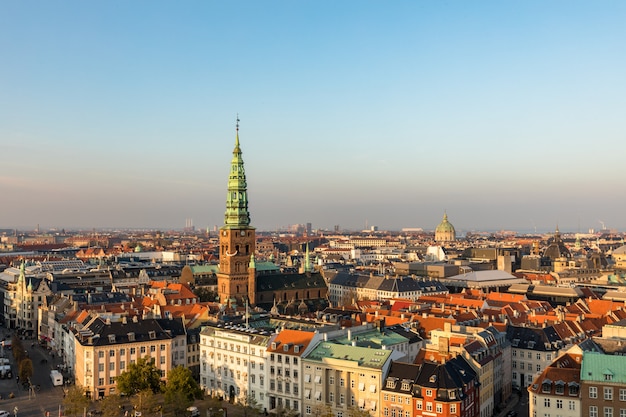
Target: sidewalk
{"type": "Point", "coordinates": [510, 405]}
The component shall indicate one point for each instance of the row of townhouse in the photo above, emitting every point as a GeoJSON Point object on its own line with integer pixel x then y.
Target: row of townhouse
{"type": "Point", "coordinates": [587, 380]}
{"type": "Point", "coordinates": [340, 371]}
{"type": "Point", "coordinates": [347, 287]}
{"type": "Point", "coordinates": [488, 353]}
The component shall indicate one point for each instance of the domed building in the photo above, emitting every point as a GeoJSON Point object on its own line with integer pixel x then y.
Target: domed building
{"type": "Point", "coordinates": [445, 231]}
{"type": "Point", "coordinates": [556, 248]}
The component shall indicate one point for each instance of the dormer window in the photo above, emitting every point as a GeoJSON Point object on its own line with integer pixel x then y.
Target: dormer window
{"type": "Point", "coordinates": [131, 337]}
{"type": "Point", "coordinates": [296, 348]}
{"type": "Point", "coordinates": [152, 334]}
{"type": "Point", "coordinates": [111, 338]}
{"type": "Point", "coordinates": [546, 385]}
{"type": "Point", "coordinates": [405, 386]}
{"type": "Point", "coordinates": [432, 379]}
{"type": "Point", "coordinates": [286, 348]}
{"type": "Point", "coordinates": [391, 383]}
{"type": "Point", "coordinates": [559, 387]}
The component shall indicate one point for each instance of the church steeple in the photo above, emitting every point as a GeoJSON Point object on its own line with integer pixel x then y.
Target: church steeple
{"type": "Point", "coordinates": [237, 215]}
{"type": "Point", "coordinates": [236, 280]}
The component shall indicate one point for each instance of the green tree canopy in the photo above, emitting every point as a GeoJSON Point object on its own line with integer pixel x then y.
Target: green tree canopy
{"type": "Point", "coordinates": [145, 402]}
{"type": "Point", "coordinates": [180, 379]}
{"type": "Point", "coordinates": [75, 401]}
{"type": "Point", "coordinates": [110, 405]}
{"type": "Point", "coordinates": [141, 375]}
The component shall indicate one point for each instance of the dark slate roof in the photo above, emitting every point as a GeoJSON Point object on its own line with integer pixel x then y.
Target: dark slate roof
{"type": "Point", "coordinates": [279, 282]}
{"type": "Point", "coordinates": [544, 339]}
{"type": "Point", "coordinates": [97, 331]}
{"type": "Point", "coordinates": [98, 298]}
{"type": "Point", "coordinates": [400, 372]}
{"type": "Point", "coordinates": [412, 336]}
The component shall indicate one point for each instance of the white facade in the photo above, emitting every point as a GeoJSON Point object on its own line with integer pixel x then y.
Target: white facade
{"type": "Point", "coordinates": [233, 365]}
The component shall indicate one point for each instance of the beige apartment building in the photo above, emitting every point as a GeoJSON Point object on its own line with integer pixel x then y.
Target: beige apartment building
{"type": "Point", "coordinates": [104, 349]}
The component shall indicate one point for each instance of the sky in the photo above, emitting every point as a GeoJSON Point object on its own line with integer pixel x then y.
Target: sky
{"type": "Point", "coordinates": [504, 115]}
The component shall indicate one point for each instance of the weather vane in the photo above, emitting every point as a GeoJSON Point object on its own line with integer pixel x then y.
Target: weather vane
{"type": "Point", "coordinates": [237, 122]}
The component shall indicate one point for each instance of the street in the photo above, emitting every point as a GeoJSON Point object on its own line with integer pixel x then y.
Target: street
{"type": "Point", "coordinates": [31, 403]}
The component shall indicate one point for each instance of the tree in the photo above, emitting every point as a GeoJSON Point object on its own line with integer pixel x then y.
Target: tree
{"type": "Point", "coordinates": [141, 375]}
{"type": "Point", "coordinates": [25, 369]}
{"type": "Point", "coordinates": [111, 405]}
{"type": "Point", "coordinates": [357, 412]}
{"type": "Point", "coordinates": [75, 401]}
{"type": "Point", "coordinates": [180, 380]}
{"type": "Point", "coordinates": [144, 401]}
{"type": "Point", "coordinates": [323, 410]}
{"type": "Point", "coordinates": [251, 408]}
{"type": "Point", "coordinates": [281, 411]}
{"type": "Point", "coordinates": [176, 402]}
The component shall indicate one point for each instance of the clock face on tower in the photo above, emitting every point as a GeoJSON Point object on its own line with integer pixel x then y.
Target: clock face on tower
{"type": "Point", "coordinates": [243, 233]}
{"type": "Point", "coordinates": [224, 233]}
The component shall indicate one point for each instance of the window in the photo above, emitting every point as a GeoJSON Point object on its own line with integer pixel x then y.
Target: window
{"type": "Point", "coordinates": [101, 354]}
{"type": "Point", "coordinates": [331, 380]}
{"type": "Point", "coordinates": [122, 351]}
{"type": "Point", "coordinates": [429, 393]}
{"type": "Point", "coordinates": [111, 353]}
{"type": "Point", "coordinates": [111, 366]}
{"type": "Point", "coordinates": [307, 409]}
{"type": "Point", "coordinates": [152, 348]}
{"type": "Point", "coordinates": [608, 411]}
{"type": "Point", "coordinates": [122, 365]}
{"type": "Point", "coordinates": [546, 402]}
{"type": "Point", "coordinates": [452, 408]}
{"type": "Point", "coordinates": [142, 349]}
{"type": "Point", "coordinates": [419, 404]}
{"type": "Point", "coordinates": [101, 367]}
{"type": "Point", "coordinates": [593, 393]}
{"type": "Point", "coordinates": [429, 406]}
{"type": "Point", "coordinates": [593, 411]}
{"type": "Point", "coordinates": [608, 393]}
{"type": "Point", "coordinates": [514, 364]}
{"type": "Point", "coordinates": [622, 394]}
{"type": "Point", "coordinates": [538, 368]}
{"type": "Point", "coordinates": [622, 412]}
{"type": "Point", "coordinates": [559, 403]}
{"type": "Point", "coordinates": [439, 408]}
{"type": "Point", "coordinates": [548, 356]}
{"type": "Point", "coordinates": [572, 405]}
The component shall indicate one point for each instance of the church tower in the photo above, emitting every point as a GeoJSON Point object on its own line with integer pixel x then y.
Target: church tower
{"type": "Point", "coordinates": [236, 280]}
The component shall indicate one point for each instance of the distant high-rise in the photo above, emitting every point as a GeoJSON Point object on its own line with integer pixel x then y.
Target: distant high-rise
{"type": "Point", "coordinates": [236, 280]}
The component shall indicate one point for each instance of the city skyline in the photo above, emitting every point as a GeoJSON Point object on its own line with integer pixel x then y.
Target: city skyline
{"type": "Point", "coordinates": [504, 116]}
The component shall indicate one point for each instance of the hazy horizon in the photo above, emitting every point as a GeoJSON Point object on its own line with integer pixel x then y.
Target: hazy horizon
{"type": "Point", "coordinates": [505, 116]}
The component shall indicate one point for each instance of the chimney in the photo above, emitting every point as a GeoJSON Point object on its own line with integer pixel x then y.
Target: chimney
{"type": "Point", "coordinates": [349, 334]}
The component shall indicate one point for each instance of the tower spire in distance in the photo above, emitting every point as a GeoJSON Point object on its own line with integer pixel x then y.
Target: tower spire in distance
{"type": "Point", "coordinates": [237, 214]}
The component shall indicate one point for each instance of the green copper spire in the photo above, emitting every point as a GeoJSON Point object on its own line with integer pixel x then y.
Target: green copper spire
{"type": "Point", "coordinates": [237, 215]}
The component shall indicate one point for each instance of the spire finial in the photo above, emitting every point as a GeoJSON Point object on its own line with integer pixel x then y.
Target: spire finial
{"type": "Point", "coordinates": [237, 122]}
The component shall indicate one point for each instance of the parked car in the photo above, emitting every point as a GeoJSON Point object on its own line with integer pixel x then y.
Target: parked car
{"type": "Point", "coordinates": [4, 413]}
{"type": "Point", "coordinates": [512, 413]}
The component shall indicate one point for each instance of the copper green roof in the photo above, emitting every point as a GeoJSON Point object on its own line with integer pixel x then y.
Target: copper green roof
{"type": "Point", "coordinates": [365, 357]}
{"type": "Point", "coordinates": [373, 339]}
{"type": "Point", "coordinates": [598, 367]}
{"type": "Point", "coordinates": [205, 269]}
{"type": "Point", "coordinates": [445, 225]}
{"type": "Point", "coordinates": [237, 215]}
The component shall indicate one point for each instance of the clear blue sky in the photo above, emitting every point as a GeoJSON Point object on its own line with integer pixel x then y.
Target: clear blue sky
{"type": "Point", "coordinates": [506, 115]}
